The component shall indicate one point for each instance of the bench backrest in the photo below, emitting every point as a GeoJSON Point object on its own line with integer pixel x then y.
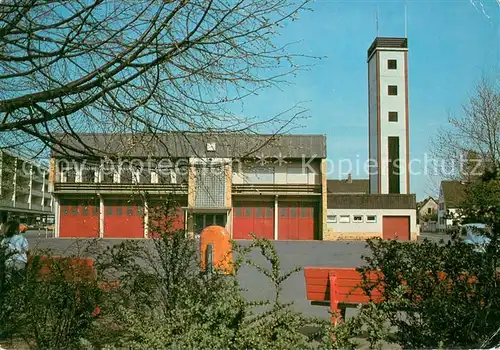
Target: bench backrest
{"type": "Point", "coordinates": [73, 268]}
{"type": "Point", "coordinates": [347, 284]}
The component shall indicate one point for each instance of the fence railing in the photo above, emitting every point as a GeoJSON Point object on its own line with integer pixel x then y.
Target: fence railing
{"type": "Point", "coordinates": [276, 189]}
{"type": "Point", "coordinates": [119, 187]}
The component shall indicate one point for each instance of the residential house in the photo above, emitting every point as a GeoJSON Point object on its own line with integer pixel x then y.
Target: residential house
{"type": "Point", "coordinates": [451, 195]}
{"type": "Point", "coordinates": [427, 214]}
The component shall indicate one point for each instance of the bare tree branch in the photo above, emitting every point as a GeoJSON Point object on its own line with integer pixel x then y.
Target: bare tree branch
{"type": "Point", "coordinates": [102, 66]}
{"type": "Point", "coordinates": [470, 143]}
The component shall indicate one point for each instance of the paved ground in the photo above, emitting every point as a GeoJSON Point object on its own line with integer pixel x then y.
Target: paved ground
{"type": "Point", "coordinates": [292, 254]}
{"type": "Point", "coordinates": [434, 236]}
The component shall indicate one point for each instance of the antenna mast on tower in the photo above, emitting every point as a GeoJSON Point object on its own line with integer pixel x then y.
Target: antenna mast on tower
{"type": "Point", "coordinates": [406, 22]}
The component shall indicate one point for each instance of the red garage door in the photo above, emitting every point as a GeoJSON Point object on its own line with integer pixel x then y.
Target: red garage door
{"type": "Point", "coordinates": [297, 221]}
{"type": "Point", "coordinates": [79, 219]}
{"type": "Point", "coordinates": [253, 217]}
{"type": "Point", "coordinates": [123, 220]}
{"type": "Point", "coordinates": [396, 227]}
{"type": "Point", "coordinates": [163, 220]}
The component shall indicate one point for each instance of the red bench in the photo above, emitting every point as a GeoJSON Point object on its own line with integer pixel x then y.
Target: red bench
{"type": "Point", "coordinates": [76, 269]}
{"type": "Point", "coordinates": [338, 287]}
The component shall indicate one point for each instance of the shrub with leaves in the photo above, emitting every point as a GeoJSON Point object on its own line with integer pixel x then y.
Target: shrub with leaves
{"type": "Point", "coordinates": [50, 305]}
{"type": "Point", "coordinates": [435, 294]}
{"type": "Point", "coordinates": [444, 295]}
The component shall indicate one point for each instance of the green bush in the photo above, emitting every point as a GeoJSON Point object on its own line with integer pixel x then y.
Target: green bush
{"type": "Point", "coordinates": [427, 309]}
{"type": "Point", "coordinates": [53, 310]}
{"type": "Point", "coordinates": [166, 301]}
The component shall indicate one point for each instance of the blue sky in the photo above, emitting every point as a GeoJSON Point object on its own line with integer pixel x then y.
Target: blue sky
{"type": "Point", "coordinates": [452, 44]}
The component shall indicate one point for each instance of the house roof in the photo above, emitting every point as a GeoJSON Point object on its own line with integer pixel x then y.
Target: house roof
{"type": "Point", "coordinates": [192, 144]}
{"type": "Point", "coordinates": [348, 187]}
{"type": "Point", "coordinates": [453, 193]}
{"type": "Point", "coordinates": [424, 202]}
{"type": "Point", "coordinates": [372, 201]}
{"type": "Point", "coordinates": [384, 42]}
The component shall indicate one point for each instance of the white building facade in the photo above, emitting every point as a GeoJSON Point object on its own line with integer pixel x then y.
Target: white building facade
{"type": "Point", "coordinates": [24, 190]}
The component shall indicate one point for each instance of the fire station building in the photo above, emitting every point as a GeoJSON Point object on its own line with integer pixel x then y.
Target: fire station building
{"type": "Point", "coordinates": [273, 186]}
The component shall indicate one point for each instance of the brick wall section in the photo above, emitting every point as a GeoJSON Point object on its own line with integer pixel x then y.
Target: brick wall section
{"type": "Point", "coordinates": [191, 186]}
{"type": "Point", "coordinates": [372, 201]}
{"type": "Point", "coordinates": [191, 197]}
{"type": "Point", "coordinates": [331, 235]}
{"type": "Point", "coordinates": [229, 184]}
{"type": "Point", "coordinates": [229, 202]}
{"type": "Point", "coordinates": [52, 173]}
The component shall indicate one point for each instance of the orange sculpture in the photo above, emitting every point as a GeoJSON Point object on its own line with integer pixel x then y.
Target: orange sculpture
{"type": "Point", "coordinates": [222, 250]}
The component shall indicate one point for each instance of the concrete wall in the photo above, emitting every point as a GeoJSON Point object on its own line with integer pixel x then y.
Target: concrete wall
{"type": "Point", "coordinates": [380, 128]}
{"type": "Point", "coordinates": [393, 104]}
{"type": "Point", "coordinates": [373, 122]}
{"type": "Point", "coordinates": [324, 200]}
{"type": "Point", "coordinates": [363, 230]}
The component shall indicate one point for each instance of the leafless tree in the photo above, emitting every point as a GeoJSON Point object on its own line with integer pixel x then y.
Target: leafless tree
{"type": "Point", "coordinates": [144, 66]}
{"type": "Point", "coordinates": [471, 142]}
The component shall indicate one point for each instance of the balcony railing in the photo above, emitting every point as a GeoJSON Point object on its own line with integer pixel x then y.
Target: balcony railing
{"type": "Point", "coordinates": [6, 202]}
{"type": "Point", "coordinates": [47, 209]}
{"type": "Point", "coordinates": [22, 205]}
{"type": "Point", "coordinates": [22, 189]}
{"type": "Point", "coordinates": [36, 207]}
{"type": "Point", "coordinates": [290, 189]}
{"type": "Point", "coordinates": [37, 193]}
{"type": "Point", "coordinates": [119, 188]}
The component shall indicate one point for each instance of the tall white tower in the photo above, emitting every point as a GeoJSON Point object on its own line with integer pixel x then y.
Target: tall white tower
{"type": "Point", "coordinates": [388, 116]}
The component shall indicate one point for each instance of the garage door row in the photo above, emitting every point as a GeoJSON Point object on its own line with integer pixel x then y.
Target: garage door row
{"type": "Point", "coordinates": [296, 221]}
{"type": "Point", "coordinates": [121, 220]}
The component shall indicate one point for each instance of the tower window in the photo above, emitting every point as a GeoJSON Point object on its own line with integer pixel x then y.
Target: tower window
{"type": "Point", "coordinates": [392, 64]}
{"type": "Point", "coordinates": [393, 116]}
{"type": "Point", "coordinates": [392, 90]}
{"type": "Point", "coordinates": [394, 164]}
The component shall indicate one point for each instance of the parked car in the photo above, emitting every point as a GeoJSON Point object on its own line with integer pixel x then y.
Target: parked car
{"type": "Point", "coordinates": [474, 235]}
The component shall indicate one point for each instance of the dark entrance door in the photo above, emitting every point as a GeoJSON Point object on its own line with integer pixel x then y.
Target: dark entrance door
{"type": "Point", "coordinates": [208, 219]}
